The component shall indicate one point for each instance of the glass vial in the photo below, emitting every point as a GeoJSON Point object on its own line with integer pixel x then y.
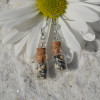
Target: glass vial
{"type": "Point", "coordinates": [58, 57]}
{"type": "Point", "coordinates": [41, 63]}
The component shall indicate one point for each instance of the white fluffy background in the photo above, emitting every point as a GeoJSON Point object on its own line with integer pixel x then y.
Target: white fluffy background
{"type": "Point", "coordinates": [81, 82]}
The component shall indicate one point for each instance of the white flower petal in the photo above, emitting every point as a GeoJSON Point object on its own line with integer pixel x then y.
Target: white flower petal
{"type": "Point", "coordinates": [17, 12]}
{"type": "Point", "coordinates": [33, 41]}
{"type": "Point", "coordinates": [95, 7]}
{"type": "Point", "coordinates": [9, 25]}
{"type": "Point", "coordinates": [79, 26]}
{"type": "Point", "coordinates": [72, 39]}
{"type": "Point", "coordinates": [90, 35]}
{"type": "Point", "coordinates": [28, 24]}
{"type": "Point", "coordinates": [13, 37]}
{"type": "Point", "coordinates": [75, 11]}
{"type": "Point", "coordinates": [20, 46]}
{"type": "Point", "coordinates": [69, 54]}
{"type": "Point", "coordinates": [93, 1]}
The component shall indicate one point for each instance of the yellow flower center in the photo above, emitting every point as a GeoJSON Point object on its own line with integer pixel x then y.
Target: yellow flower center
{"type": "Point", "coordinates": [51, 8]}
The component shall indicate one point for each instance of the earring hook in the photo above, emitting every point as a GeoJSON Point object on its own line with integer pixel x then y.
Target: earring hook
{"type": "Point", "coordinates": [44, 27]}
{"type": "Point", "coordinates": [55, 22]}
{"type": "Point", "coordinates": [56, 26]}
{"type": "Point", "coordinates": [43, 35]}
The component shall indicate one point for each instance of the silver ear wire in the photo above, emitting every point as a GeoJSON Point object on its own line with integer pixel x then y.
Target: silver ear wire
{"type": "Point", "coordinates": [52, 17]}
{"type": "Point", "coordinates": [43, 38]}
{"type": "Point", "coordinates": [44, 27]}
{"type": "Point", "coordinates": [56, 26]}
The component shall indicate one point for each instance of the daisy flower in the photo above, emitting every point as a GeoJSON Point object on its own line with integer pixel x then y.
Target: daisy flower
{"type": "Point", "coordinates": [22, 21]}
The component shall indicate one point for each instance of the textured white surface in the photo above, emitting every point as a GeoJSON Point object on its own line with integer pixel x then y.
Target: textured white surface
{"type": "Point", "coordinates": [80, 82]}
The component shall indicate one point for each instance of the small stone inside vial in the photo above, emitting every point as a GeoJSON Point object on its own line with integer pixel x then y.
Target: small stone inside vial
{"type": "Point", "coordinates": [59, 62]}
{"type": "Point", "coordinates": [42, 71]}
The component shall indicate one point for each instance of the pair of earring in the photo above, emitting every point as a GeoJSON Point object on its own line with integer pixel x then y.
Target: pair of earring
{"type": "Point", "coordinates": [58, 57]}
{"type": "Point", "coordinates": [58, 60]}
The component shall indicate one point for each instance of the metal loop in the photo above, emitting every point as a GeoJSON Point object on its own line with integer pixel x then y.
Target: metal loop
{"type": "Point", "coordinates": [51, 18]}
{"type": "Point", "coordinates": [43, 38]}
{"type": "Point", "coordinates": [44, 27]}
{"type": "Point", "coordinates": [55, 39]}
{"type": "Point", "coordinates": [54, 23]}
{"type": "Point", "coordinates": [42, 45]}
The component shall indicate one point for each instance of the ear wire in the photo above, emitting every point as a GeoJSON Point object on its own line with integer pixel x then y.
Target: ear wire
{"type": "Point", "coordinates": [55, 26]}
{"type": "Point", "coordinates": [43, 37]}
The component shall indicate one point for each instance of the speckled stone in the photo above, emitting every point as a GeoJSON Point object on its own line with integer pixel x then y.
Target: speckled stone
{"type": "Point", "coordinates": [42, 71]}
{"type": "Point", "coordinates": [59, 62]}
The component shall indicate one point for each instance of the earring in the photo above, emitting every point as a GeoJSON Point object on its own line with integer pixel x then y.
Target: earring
{"type": "Point", "coordinates": [41, 58]}
{"type": "Point", "coordinates": [58, 57]}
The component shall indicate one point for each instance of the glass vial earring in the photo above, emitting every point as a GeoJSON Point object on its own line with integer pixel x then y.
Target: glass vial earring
{"type": "Point", "coordinates": [58, 56]}
{"type": "Point", "coordinates": [41, 58]}
{"type": "Point", "coordinates": [41, 66]}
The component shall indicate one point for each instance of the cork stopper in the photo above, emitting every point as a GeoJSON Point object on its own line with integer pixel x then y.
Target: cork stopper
{"type": "Point", "coordinates": [41, 56]}
{"type": "Point", "coordinates": [56, 46]}
{"type": "Point", "coordinates": [40, 51]}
